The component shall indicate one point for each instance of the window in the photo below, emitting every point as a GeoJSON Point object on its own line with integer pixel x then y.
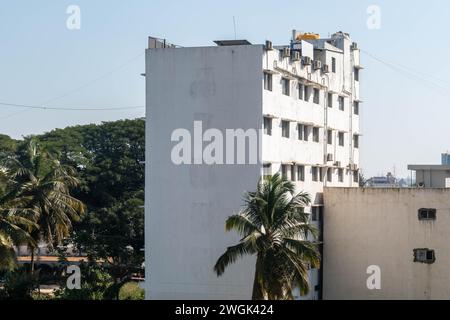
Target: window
{"type": "Point", "coordinates": [341, 103]}
{"type": "Point", "coordinates": [315, 174]}
{"type": "Point", "coordinates": [333, 65]}
{"type": "Point", "coordinates": [316, 97]}
{"type": "Point", "coordinates": [427, 214]}
{"type": "Point", "coordinates": [284, 171]}
{"type": "Point", "coordinates": [356, 107]}
{"type": "Point", "coordinates": [300, 91]}
{"type": "Point", "coordinates": [330, 175]}
{"type": "Point", "coordinates": [341, 139]}
{"type": "Point", "coordinates": [267, 81]}
{"type": "Point", "coordinates": [330, 136]}
{"type": "Point", "coordinates": [356, 74]}
{"type": "Point", "coordinates": [330, 100]}
{"type": "Point", "coordinates": [306, 133]}
{"type": "Point", "coordinates": [285, 129]}
{"type": "Point", "coordinates": [314, 213]}
{"type": "Point", "coordinates": [356, 141]}
{"type": "Point", "coordinates": [293, 173]}
{"type": "Point", "coordinates": [285, 86]}
{"type": "Point", "coordinates": [267, 170]}
{"type": "Point", "coordinates": [300, 131]}
{"type": "Point", "coordinates": [268, 126]}
{"type": "Point", "coordinates": [424, 256]}
{"type": "Point", "coordinates": [300, 173]}
{"type": "Point", "coordinates": [341, 175]}
{"type": "Point", "coordinates": [356, 176]}
{"type": "Point", "coordinates": [321, 174]}
{"type": "Point", "coordinates": [306, 93]}
{"type": "Point", "coordinates": [316, 134]}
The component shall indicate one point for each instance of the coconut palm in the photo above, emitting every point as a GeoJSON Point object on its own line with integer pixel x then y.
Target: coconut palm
{"type": "Point", "coordinates": [16, 223]}
{"type": "Point", "coordinates": [275, 228]}
{"type": "Point", "coordinates": [44, 185]}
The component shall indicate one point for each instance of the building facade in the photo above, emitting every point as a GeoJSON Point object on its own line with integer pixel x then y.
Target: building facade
{"type": "Point", "coordinates": [303, 101]}
{"type": "Point", "coordinates": [382, 243]}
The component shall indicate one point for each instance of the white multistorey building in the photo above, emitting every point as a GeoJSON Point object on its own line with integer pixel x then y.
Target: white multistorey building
{"type": "Point", "coordinates": [304, 97]}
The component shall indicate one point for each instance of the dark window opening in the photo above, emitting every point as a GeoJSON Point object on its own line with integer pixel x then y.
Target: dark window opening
{"type": "Point", "coordinates": [285, 86]}
{"type": "Point", "coordinates": [427, 214]}
{"type": "Point", "coordinates": [267, 126]}
{"type": "Point", "coordinates": [316, 97]}
{"type": "Point", "coordinates": [268, 81]}
{"type": "Point", "coordinates": [330, 100]}
{"type": "Point", "coordinates": [285, 129]}
{"type": "Point", "coordinates": [424, 256]}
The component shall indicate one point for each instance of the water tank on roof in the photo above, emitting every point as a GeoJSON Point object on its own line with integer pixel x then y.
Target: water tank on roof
{"type": "Point", "coordinates": [307, 36]}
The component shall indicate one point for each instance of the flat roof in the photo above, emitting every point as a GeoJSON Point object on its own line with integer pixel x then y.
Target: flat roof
{"type": "Point", "coordinates": [223, 43]}
{"type": "Point", "coordinates": [437, 167]}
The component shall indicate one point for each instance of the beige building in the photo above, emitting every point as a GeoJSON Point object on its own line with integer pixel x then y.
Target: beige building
{"type": "Point", "coordinates": [405, 232]}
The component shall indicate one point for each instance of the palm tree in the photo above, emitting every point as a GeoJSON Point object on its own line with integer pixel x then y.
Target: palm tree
{"type": "Point", "coordinates": [275, 228]}
{"type": "Point", "coordinates": [45, 184]}
{"type": "Point", "coordinates": [15, 226]}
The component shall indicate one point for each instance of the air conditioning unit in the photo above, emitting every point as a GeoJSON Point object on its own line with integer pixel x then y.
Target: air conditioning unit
{"type": "Point", "coordinates": [306, 61]}
{"type": "Point", "coordinates": [354, 46]}
{"type": "Point", "coordinates": [286, 52]}
{"type": "Point", "coordinates": [269, 45]}
{"type": "Point", "coordinates": [337, 164]}
{"type": "Point", "coordinates": [326, 68]}
{"type": "Point", "coordinates": [296, 56]}
{"type": "Point", "coordinates": [329, 157]}
{"type": "Point", "coordinates": [353, 167]}
{"type": "Point", "coordinates": [317, 65]}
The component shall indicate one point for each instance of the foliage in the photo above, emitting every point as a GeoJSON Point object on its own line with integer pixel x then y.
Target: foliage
{"type": "Point", "coordinates": [95, 285]}
{"type": "Point", "coordinates": [275, 228]}
{"type": "Point", "coordinates": [19, 285]}
{"type": "Point", "coordinates": [81, 185]}
{"type": "Point", "coordinates": [108, 161]}
{"type": "Point", "coordinates": [131, 291]}
{"type": "Point", "coordinates": [43, 184]}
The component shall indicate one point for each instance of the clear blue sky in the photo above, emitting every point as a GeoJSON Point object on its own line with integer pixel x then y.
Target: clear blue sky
{"type": "Point", "coordinates": [404, 117]}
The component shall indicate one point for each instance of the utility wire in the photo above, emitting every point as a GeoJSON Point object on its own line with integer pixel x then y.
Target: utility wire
{"type": "Point", "coordinates": [81, 87]}
{"type": "Point", "coordinates": [68, 108]}
{"type": "Point", "coordinates": [409, 72]}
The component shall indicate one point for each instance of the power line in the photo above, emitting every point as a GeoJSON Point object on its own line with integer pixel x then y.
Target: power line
{"type": "Point", "coordinates": [411, 73]}
{"type": "Point", "coordinates": [67, 93]}
{"type": "Point", "coordinates": [69, 108]}
{"type": "Point", "coordinates": [88, 83]}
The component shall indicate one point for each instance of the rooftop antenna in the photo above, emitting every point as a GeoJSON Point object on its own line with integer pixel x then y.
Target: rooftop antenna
{"type": "Point", "coordinates": [234, 24]}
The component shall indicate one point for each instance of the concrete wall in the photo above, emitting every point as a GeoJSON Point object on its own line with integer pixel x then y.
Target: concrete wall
{"type": "Point", "coordinates": [187, 205]}
{"type": "Point", "coordinates": [364, 227]}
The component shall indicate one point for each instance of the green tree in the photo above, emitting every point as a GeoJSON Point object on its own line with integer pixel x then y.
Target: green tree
{"type": "Point", "coordinates": [108, 160]}
{"type": "Point", "coordinates": [43, 185]}
{"type": "Point", "coordinates": [16, 223]}
{"type": "Point", "coordinates": [275, 228]}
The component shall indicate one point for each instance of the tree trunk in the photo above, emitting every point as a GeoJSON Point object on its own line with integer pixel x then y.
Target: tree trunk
{"type": "Point", "coordinates": [258, 291]}
{"type": "Point", "coordinates": [32, 261]}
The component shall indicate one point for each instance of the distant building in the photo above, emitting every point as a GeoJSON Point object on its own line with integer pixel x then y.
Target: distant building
{"type": "Point", "coordinates": [445, 159]}
{"type": "Point", "coordinates": [389, 181]}
{"type": "Point", "coordinates": [431, 176]}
